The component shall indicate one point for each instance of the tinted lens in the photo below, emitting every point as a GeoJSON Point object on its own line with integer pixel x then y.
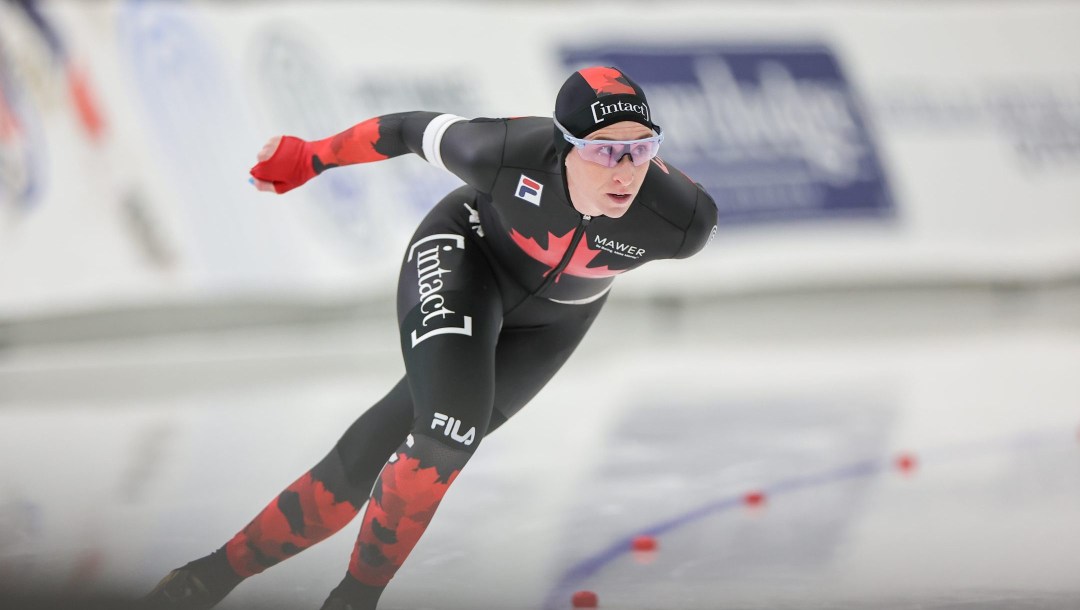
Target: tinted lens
{"type": "Point", "coordinates": [609, 154]}
{"type": "Point", "coordinates": [642, 152]}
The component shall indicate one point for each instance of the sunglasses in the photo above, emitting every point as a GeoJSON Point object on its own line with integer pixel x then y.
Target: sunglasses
{"type": "Point", "coordinates": [609, 152]}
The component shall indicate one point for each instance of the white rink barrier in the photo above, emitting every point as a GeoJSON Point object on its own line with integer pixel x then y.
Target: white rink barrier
{"type": "Point", "coordinates": [927, 143]}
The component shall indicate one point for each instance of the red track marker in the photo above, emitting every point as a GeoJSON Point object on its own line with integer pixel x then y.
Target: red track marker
{"type": "Point", "coordinates": [585, 599]}
{"type": "Point", "coordinates": [643, 543]}
{"type": "Point", "coordinates": [754, 498]}
{"type": "Point", "coordinates": [906, 463]}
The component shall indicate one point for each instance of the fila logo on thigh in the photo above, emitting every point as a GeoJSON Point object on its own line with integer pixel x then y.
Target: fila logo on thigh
{"type": "Point", "coordinates": [452, 428]}
{"type": "Point", "coordinates": [429, 283]}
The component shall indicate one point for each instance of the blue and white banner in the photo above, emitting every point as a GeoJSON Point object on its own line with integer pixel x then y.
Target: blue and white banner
{"type": "Point", "coordinates": [772, 131]}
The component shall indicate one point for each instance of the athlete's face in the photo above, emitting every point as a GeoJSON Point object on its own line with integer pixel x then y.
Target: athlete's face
{"type": "Point", "coordinates": [606, 191]}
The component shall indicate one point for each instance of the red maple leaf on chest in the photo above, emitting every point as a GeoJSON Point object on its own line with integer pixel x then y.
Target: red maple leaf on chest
{"type": "Point", "coordinates": [552, 255]}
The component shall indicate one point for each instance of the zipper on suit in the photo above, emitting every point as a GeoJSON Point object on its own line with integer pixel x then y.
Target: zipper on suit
{"type": "Point", "coordinates": [579, 232]}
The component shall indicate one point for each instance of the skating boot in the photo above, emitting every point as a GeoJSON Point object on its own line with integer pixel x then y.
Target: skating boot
{"type": "Point", "coordinates": [351, 594]}
{"type": "Point", "coordinates": [199, 585]}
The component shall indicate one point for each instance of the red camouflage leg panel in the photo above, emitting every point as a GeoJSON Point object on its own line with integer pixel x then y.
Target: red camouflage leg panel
{"type": "Point", "coordinates": [302, 515]}
{"type": "Point", "coordinates": [401, 507]}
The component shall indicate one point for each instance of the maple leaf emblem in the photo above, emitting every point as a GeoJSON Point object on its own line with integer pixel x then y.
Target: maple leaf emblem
{"type": "Point", "coordinates": [606, 81]}
{"type": "Point", "coordinates": [553, 254]}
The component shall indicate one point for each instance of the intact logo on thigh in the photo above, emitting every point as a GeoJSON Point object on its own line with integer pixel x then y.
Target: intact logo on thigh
{"type": "Point", "coordinates": [429, 284]}
{"type": "Point", "coordinates": [452, 428]}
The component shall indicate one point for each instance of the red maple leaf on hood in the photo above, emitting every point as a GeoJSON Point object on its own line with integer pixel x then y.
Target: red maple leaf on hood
{"type": "Point", "coordinates": [553, 254]}
{"type": "Point", "coordinates": [606, 81]}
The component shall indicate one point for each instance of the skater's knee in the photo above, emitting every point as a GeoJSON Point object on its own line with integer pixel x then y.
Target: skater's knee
{"type": "Point", "coordinates": [348, 480]}
{"type": "Point", "coordinates": [435, 451]}
{"type": "Point", "coordinates": [454, 433]}
{"type": "Point", "coordinates": [363, 448]}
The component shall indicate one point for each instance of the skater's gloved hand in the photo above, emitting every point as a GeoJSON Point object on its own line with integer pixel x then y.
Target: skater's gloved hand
{"type": "Point", "coordinates": [284, 164]}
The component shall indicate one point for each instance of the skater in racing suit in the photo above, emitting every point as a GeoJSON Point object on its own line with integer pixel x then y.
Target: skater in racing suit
{"type": "Point", "coordinates": [498, 285]}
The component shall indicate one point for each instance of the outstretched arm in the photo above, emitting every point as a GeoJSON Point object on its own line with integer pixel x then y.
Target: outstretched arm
{"type": "Point", "coordinates": [286, 162]}
{"type": "Point", "coordinates": [472, 150]}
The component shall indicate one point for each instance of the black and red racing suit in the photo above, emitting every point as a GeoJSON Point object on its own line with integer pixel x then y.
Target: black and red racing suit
{"type": "Point", "coordinates": [497, 287]}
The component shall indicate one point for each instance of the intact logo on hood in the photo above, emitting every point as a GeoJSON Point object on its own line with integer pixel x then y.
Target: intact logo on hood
{"type": "Point", "coordinates": [600, 110]}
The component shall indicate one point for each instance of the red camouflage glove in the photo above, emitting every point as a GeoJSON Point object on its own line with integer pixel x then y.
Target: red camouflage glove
{"type": "Point", "coordinates": [289, 166]}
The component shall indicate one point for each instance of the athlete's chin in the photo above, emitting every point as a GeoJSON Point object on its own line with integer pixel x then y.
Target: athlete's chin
{"type": "Point", "coordinates": [616, 212]}
{"type": "Point", "coordinates": [614, 207]}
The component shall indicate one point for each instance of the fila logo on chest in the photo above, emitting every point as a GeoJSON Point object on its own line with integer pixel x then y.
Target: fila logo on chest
{"type": "Point", "coordinates": [529, 190]}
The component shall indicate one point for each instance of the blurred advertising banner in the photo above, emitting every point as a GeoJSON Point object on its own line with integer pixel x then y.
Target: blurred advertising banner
{"type": "Point", "coordinates": [845, 146]}
{"type": "Point", "coordinates": [772, 132]}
